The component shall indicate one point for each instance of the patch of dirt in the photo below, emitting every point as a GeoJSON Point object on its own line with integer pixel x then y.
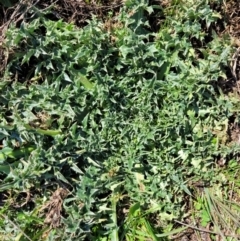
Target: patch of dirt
{"type": "Point", "coordinates": [232, 11]}
{"type": "Point", "coordinates": [234, 133]}
{"type": "Point", "coordinates": [232, 18]}
{"type": "Point", "coordinates": [78, 12]}
{"type": "Point", "coordinates": [194, 233]}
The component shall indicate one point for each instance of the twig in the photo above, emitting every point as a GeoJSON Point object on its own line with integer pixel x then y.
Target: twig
{"type": "Point", "coordinates": [234, 63]}
{"type": "Point", "coordinates": [205, 230]}
{"type": "Point", "coordinates": [192, 227]}
{"type": "Point", "coordinates": [15, 14]}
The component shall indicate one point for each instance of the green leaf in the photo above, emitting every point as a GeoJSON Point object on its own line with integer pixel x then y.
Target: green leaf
{"type": "Point", "coordinates": [134, 209]}
{"type": "Point", "coordinates": [14, 154]}
{"type": "Point", "coordinates": [85, 82]}
{"type": "Point", "coordinates": [66, 77]}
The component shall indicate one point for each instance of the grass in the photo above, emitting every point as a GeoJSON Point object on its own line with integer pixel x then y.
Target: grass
{"type": "Point", "coordinates": [123, 118]}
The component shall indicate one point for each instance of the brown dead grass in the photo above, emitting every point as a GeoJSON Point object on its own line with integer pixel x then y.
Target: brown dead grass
{"type": "Point", "coordinates": [54, 208]}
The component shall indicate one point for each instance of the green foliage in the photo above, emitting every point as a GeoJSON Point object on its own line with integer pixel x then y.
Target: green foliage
{"type": "Point", "coordinates": [132, 119]}
{"type": "Point", "coordinates": [215, 208]}
{"type": "Point", "coordinates": [8, 3]}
